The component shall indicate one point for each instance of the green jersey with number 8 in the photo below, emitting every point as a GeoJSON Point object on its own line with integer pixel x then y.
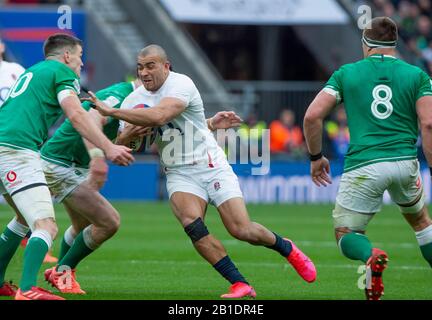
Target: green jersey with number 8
{"type": "Point", "coordinates": [32, 105]}
{"type": "Point", "coordinates": [380, 94]}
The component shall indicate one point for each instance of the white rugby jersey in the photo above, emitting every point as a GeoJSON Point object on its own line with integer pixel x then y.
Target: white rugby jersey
{"type": "Point", "coordinates": [186, 139]}
{"type": "Point", "coordinates": [9, 74]}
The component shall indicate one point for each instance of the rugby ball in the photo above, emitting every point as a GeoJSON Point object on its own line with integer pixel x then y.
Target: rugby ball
{"type": "Point", "coordinates": [141, 144]}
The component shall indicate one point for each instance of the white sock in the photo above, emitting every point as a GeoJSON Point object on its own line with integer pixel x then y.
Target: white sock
{"type": "Point", "coordinates": [44, 235]}
{"type": "Point", "coordinates": [88, 239]}
{"type": "Point", "coordinates": [68, 236]}
{"type": "Point", "coordinates": [18, 228]}
{"type": "Point", "coordinates": [425, 236]}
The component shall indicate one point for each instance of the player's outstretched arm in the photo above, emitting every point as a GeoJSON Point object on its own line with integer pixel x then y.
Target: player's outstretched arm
{"type": "Point", "coordinates": [318, 110]}
{"type": "Point", "coordinates": [156, 116]}
{"type": "Point", "coordinates": [89, 130]}
{"type": "Point", "coordinates": [224, 120]}
{"type": "Point", "coordinates": [424, 113]}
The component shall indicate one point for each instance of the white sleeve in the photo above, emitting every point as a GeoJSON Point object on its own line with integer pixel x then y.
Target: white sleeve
{"type": "Point", "coordinates": [19, 69]}
{"type": "Point", "coordinates": [183, 90]}
{"type": "Point", "coordinates": [16, 68]}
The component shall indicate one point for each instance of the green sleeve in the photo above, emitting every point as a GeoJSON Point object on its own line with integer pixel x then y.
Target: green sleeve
{"type": "Point", "coordinates": [66, 79]}
{"type": "Point", "coordinates": [334, 85]}
{"type": "Point", "coordinates": [425, 87]}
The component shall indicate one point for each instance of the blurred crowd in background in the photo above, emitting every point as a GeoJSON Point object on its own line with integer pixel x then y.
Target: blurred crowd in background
{"type": "Point", "coordinates": [414, 18]}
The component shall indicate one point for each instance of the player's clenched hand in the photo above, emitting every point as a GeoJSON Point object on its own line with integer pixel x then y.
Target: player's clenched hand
{"type": "Point", "coordinates": [320, 170]}
{"type": "Point", "coordinates": [120, 155]}
{"type": "Point", "coordinates": [98, 105]}
{"type": "Point", "coordinates": [98, 173]}
{"type": "Point", "coordinates": [132, 131]}
{"type": "Point", "coordinates": [225, 120]}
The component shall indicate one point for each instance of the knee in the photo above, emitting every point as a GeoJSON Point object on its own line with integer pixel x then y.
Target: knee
{"type": "Point", "coordinates": [196, 230]}
{"type": "Point", "coordinates": [108, 221]}
{"type": "Point", "coordinates": [48, 225]}
{"type": "Point", "coordinates": [240, 232]}
{"type": "Point", "coordinates": [112, 224]}
{"type": "Point", "coordinates": [115, 223]}
{"type": "Point", "coordinates": [53, 230]}
{"type": "Point", "coordinates": [340, 232]}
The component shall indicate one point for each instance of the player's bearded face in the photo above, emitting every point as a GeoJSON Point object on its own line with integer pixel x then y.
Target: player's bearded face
{"type": "Point", "coordinates": [152, 72]}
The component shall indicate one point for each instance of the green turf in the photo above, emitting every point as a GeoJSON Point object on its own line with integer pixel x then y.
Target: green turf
{"type": "Point", "coordinates": [152, 258]}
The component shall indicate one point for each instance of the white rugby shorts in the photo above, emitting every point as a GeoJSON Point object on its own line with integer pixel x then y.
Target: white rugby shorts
{"type": "Point", "coordinates": [62, 181]}
{"type": "Point", "coordinates": [214, 185]}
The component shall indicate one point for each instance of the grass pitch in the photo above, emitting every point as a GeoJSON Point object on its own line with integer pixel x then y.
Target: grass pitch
{"type": "Point", "coordinates": [151, 258]}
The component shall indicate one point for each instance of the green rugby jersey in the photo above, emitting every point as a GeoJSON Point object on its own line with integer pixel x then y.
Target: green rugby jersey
{"type": "Point", "coordinates": [66, 146]}
{"type": "Point", "coordinates": [32, 106]}
{"type": "Point", "coordinates": [380, 95]}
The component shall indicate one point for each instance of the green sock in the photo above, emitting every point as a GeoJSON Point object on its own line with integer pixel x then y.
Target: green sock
{"type": "Point", "coordinates": [64, 248]}
{"type": "Point", "coordinates": [426, 251]}
{"type": "Point", "coordinates": [33, 257]}
{"type": "Point", "coordinates": [9, 243]}
{"type": "Point", "coordinates": [76, 253]}
{"type": "Point", "coordinates": [356, 246]}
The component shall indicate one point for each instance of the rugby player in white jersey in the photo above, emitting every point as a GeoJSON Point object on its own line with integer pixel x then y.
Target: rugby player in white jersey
{"type": "Point", "coordinates": [197, 170]}
{"type": "Point", "coordinates": [9, 74]}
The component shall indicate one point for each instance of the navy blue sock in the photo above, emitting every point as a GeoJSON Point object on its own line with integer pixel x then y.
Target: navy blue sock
{"type": "Point", "coordinates": [229, 271]}
{"type": "Point", "coordinates": [282, 246]}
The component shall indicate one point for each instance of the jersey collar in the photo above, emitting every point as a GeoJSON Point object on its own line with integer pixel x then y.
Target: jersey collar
{"type": "Point", "coordinates": [377, 55]}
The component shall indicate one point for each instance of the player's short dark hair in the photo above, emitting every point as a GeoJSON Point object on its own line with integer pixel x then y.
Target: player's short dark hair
{"type": "Point", "coordinates": [154, 49]}
{"type": "Point", "coordinates": [56, 43]}
{"type": "Point", "coordinates": [381, 29]}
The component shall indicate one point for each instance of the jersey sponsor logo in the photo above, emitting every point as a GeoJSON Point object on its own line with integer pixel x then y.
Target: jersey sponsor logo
{"type": "Point", "coordinates": [11, 176]}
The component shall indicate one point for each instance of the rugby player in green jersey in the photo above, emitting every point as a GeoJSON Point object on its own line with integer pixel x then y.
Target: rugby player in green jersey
{"type": "Point", "coordinates": [36, 101]}
{"type": "Point", "coordinates": [385, 99]}
{"type": "Point", "coordinates": [67, 166]}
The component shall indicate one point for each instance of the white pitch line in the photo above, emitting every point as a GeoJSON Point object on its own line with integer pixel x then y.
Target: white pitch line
{"type": "Point", "coordinates": [267, 264]}
{"type": "Point", "coordinates": [331, 244]}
